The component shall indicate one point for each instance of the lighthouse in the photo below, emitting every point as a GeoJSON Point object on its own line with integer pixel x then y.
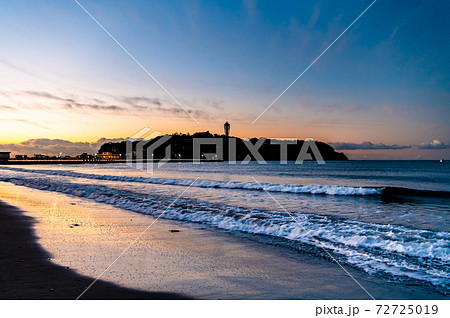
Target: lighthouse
{"type": "Point", "coordinates": [226, 127]}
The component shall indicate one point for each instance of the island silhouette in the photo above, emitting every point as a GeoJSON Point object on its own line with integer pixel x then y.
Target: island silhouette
{"type": "Point", "coordinates": [182, 148]}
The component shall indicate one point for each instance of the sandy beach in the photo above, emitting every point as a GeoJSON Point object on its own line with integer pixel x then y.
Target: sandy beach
{"type": "Point", "coordinates": [56, 245]}
{"type": "Point", "coordinates": [26, 271]}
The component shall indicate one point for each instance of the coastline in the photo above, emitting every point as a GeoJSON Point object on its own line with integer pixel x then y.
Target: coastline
{"type": "Point", "coordinates": [27, 273]}
{"type": "Point", "coordinates": [14, 162]}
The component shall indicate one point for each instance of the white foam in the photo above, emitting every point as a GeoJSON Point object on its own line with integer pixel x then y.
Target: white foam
{"type": "Point", "coordinates": [287, 188]}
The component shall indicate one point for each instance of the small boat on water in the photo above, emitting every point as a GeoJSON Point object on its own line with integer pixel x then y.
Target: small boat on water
{"type": "Point", "coordinates": [442, 160]}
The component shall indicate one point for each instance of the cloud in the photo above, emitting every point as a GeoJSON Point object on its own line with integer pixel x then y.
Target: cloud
{"type": "Point", "coordinates": [393, 33]}
{"type": "Point", "coordinates": [367, 145]}
{"type": "Point", "coordinates": [73, 104]}
{"type": "Point", "coordinates": [352, 108]}
{"type": "Point", "coordinates": [389, 109]}
{"type": "Point", "coordinates": [4, 107]}
{"type": "Point", "coordinates": [314, 16]}
{"type": "Point", "coordinates": [53, 147]}
{"type": "Point", "coordinates": [20, 69]}
{"type": "Point", "coordinates": [435, 144]}
{"type": "Point", "coordinates": [324, 122]}
{"type": "Point", "coordinates": [250, 8]}
{"type": "Point", "coordinates": [139, 100]}
{"type": "Point", "coordinates": [23, 121]}
{"type": "Point", "coordinates": [126, 104]}
{"type": "Point", "coordinates": [214, 103]}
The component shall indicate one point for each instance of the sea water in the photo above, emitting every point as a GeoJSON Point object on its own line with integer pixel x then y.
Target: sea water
{"type": "Point", "coordinates": [387, 218]}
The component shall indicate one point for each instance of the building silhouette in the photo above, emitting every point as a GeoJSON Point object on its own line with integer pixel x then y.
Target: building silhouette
{"type": "Point", "coordinates": [4, 156]}
{"type": "Point", "coordinates": [226, 127]}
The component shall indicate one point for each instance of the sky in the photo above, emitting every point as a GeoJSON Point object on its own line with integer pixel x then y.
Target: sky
{"type": "Point", "coordinates": [381, 91]}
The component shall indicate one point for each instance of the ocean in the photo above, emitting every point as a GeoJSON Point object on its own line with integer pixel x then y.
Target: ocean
{"type": "Point", "coordinates": [386, 218]}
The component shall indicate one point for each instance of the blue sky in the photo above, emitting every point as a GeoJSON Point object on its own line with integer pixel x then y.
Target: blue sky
{"type": "Point", "coordinates": [386, 80]}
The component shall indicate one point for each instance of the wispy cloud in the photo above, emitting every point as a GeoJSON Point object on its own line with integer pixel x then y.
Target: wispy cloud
{"type": "Point", "coordinates": [5, 107]}
{"type": "Point", "coordinates": [367, 145]}
{"type": "Point", "coordinates": [250, 7]}
{"type": "Point", "coordinates": [119, 104]}
{"type": "Point", "coordinates": [314, 16]}
{"type": "Point", "coordinates": [20, 69]}
{"type": "Point", "coordinates": [19, 120]}
{"type": "Point", "coordinates": [352, 108]}
{"type": "Point", "coordinates": [217, 104]}
{"type": "Point", "coordinates": [73, 104]}
{"type": "Point", "coordinates": [389, 109]}
{"type": "Point", "coordinates": [140, 100]}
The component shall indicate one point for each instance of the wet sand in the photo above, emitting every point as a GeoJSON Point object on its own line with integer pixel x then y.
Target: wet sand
{"type": "Point", "coordinates": [26, 271]}
{"type": "Point", "coordinates": [170, 257]}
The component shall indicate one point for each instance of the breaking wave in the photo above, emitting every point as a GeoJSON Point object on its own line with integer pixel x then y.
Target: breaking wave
{"type": "Point", "coordinates": [286, 188]}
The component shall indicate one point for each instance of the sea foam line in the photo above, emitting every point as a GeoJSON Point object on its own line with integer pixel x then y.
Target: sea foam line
{"type": "Point", "coordinates": [285, 188]}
